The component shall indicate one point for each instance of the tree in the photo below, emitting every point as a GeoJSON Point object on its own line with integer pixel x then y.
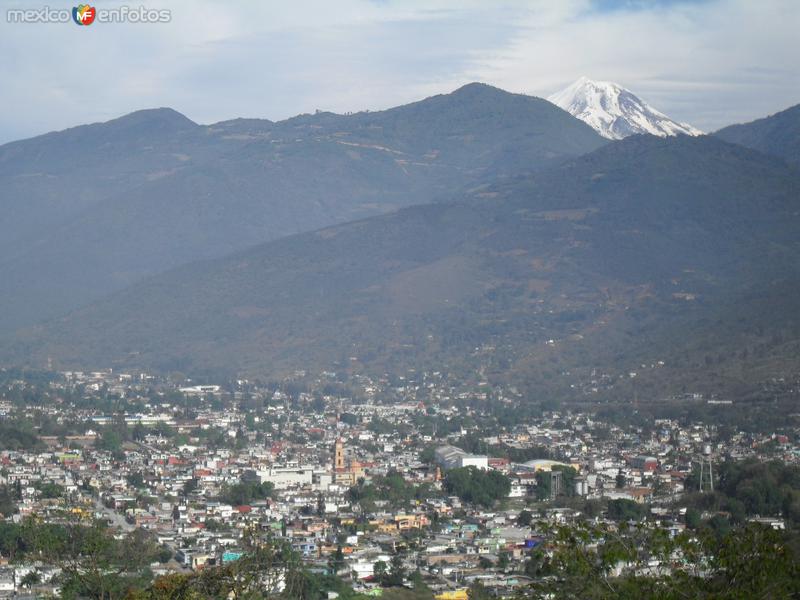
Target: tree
{"type": "Point", "coordinates": [525, 518]}
{"type": "Point", "coordinates": [139, 432]}
{"type": "Point", "coordinates": [543, 489]}
{"type": "Point", "coordinates": [623, 509]}
{"type": "Point", "coordinates": [421, 589]}
{"type": "Point", "coordinates": [720, 526]}
{"type": "Point", "coordinates": [246, 492]}
{"type": "Point", "coordinates": [751, 562]}
{"type": "Point", "coordinates": [318, 405]}
{"type": "Point", "coordinates": [266, 565]}
{"type": "Point", "coordinates": [568, 475]}
{"type": "Point", "coordinates": [93, 563]}
{"type": "Point", "coordinates": [477, 486]}
{"type": "Point", "coordinates": [537, 564]}
{"type": "Point", "coordinates": [30, 579]}
{"type": "Point", "coordinates": [428, 455]}
{"type": "Point", "coordinates": [109, 440]}
{"type": "Point", "coordinates": [620, 480]}
{"type": "Point", "coordinates": [397, 571]}
{"type": "Point", "coordinates": [8, 504]}
{"type": "Point", "coordinates": [692, 518]}
{"type": "Point", "coordinates": [50, 490]}
{"type": "Point", "coordinates": [379, 570]}
{"type": "Point", "coordinates": [592, 508]}
{"type": "Point", "coordinates": [135, 479]}
{"type": "Point", "coordinates": [478, 591]}
{"type": "Point", "coordinates": [164, 555]}
{"type": "Point", "coordinates": [189, 486]}
{"type": "Point", "coordinates": [336, 562]}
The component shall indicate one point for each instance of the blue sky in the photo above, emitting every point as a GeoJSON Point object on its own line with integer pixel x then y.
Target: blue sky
{"type": "Point", "coordinates": [708, 63]}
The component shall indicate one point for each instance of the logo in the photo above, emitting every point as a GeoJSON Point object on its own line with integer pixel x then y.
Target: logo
{"type": "Point", "coordinates": [83, 14]}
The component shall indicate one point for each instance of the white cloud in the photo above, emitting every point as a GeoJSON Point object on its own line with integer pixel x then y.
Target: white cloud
{"type": "Point", "coordinates": [708, 63]}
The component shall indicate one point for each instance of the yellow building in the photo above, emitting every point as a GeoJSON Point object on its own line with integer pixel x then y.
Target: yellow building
{"type": "Point", "coordinates": [345, 472]}
{"type": "Point", "coordinates": [452, 595]}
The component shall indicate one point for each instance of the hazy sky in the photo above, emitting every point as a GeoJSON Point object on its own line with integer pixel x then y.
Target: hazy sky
{"type": "Point", "coordinates": [709, 63]}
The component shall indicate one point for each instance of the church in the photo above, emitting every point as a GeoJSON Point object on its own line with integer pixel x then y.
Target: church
{"type": "Point", "coordinates": [345, 472]}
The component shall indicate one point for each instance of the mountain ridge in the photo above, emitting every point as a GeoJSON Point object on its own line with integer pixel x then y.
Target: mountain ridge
{"type": "Point", "coordinates": [777, 134]}
{"type": "Point", "coordinates": [107, 204]}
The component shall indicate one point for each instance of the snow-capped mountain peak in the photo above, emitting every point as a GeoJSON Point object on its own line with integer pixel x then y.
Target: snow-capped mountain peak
{"type": "Point", "coordinates": [616, 112]}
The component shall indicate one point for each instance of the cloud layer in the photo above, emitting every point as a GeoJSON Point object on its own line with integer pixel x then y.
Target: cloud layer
{"type": "Point", "coordinates": [707, 63]}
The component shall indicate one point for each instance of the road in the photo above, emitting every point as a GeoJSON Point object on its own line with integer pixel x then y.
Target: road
{"type": "Point", "coordinates": [115, 518]}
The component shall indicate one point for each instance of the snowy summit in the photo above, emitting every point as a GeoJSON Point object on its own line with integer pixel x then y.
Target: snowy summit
{"type": "Point", "coordinates": [616, 112]}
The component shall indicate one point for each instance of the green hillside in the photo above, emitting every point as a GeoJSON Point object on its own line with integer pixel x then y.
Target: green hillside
{"type": "Point", "coordinates": [679, 250]}
{"type": "Point", "coordinates": [93, 209]}
{"type": "Point", "coordinates": [778, 134]}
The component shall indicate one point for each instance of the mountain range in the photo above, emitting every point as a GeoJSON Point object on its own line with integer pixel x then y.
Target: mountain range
{"type": "Point", "coordinates": [666, 263]}
{"type": "Point", "coordinates": [615, 112]}
{"type": "Point", "coordinates": [90, 210]}
{"type": "Point", "coordinates": [778, 135]}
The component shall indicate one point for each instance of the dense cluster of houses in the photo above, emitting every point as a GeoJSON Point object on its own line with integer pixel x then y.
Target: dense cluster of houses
{"type": "Point", "coordinates": [198, 498]}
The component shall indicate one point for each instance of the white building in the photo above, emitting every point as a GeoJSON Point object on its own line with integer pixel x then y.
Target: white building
{"type": "Point", "coordinates": [286, 477]}
{"type": "Point", "coordinates": [450, 457]}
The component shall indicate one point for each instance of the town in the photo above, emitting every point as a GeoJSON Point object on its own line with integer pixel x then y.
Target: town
{"type": "Point", "coordinates": [389, 480]}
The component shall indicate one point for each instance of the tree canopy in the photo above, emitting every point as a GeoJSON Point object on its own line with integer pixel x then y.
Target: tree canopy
{"type": "Point", "coordinates": [477, 486]}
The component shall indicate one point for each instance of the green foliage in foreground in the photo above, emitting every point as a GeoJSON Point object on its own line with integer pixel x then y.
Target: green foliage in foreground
{"type": "Point", "coordinates": [93, 562]}
{"type": "Point", "coordinates": [266, 570]}
{"type": "Point", "coordinates": [578, 561]}
{"type": "Point", "coordinates": [597, 562]}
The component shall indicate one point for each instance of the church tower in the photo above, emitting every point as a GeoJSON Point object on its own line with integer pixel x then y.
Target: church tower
{"type": "Point", "coordinates": [338, 455]}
